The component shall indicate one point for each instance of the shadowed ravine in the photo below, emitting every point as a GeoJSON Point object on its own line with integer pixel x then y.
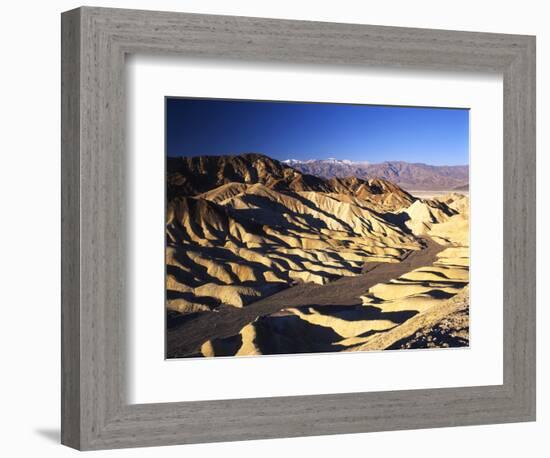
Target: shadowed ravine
{"type": "Point", "coordinates": [185, 336]}
{"type": "Point", "coordinates": [263, 259]}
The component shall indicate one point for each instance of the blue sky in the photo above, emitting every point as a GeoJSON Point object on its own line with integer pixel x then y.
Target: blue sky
{"type": "Point", "coordinates": [294, 130]}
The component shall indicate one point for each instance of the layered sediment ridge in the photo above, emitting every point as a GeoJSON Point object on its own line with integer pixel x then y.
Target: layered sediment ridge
{"type": "Point", "coordinates": [253, 247]}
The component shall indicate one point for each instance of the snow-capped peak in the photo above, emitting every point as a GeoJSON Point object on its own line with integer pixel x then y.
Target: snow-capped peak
{"type": "Point", "coordinates": [333, 160]}
{"type": "Point", "coordinates": [330, 160]}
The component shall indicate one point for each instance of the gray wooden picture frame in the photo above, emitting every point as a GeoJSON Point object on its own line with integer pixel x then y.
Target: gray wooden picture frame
{"type": "Point", "coordinates": [95, 412]}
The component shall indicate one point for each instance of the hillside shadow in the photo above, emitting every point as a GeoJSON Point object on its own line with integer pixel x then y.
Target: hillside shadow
{"type": "Point", "coordinates": [360, 313]}
{"type": "Point", "coordinates": [269, 212]}
{"type": "Point", "coordinates": [290, 334]}
{"type": "Point", "coordinates": [398, 220]}
{"type": "Point", "coordinates": [175, 319]}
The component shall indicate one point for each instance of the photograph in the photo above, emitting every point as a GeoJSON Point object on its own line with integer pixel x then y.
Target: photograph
{"type": "Point", "coordinates": [299, 227]}
{"type": "Point", "coordinates": [275, 229]}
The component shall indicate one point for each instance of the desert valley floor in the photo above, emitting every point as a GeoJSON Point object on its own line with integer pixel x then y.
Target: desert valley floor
{"type": "Point", "coordinates": [265, 259]}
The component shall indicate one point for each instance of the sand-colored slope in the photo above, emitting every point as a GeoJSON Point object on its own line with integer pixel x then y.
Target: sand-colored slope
{"type": "Point", "coordinates": [445, 218]}
{"type": "Point", "coordinates": [445, 325]}
{"type": "Point", "coordinates": [248, 236]}
{"type": "Point", "coordinates": [338, 301]}
{"type": "Point", "coordinates": [421, 288]}
{"type": "Point", "coordinates": [442, 326]}
{"type": "Point", "coordinates": [281, 262]}
{"type": "Point", "coordinates": [298, 331]}
{"type": "Point", "coordinates": [376, 193]}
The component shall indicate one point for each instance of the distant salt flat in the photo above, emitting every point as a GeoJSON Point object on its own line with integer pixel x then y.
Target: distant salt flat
{"type": "Point", "coordinates": [432, 194]}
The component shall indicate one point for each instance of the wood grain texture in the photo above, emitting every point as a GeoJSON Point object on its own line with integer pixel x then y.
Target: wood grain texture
{"type": "Point", "coordinates": [70, 229]}
{"type": "Point", "coordinates": [96, 414]}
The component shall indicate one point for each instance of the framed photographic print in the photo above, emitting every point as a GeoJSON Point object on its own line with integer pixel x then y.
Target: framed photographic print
{"type": "Point", "coordinates": [286, 228]}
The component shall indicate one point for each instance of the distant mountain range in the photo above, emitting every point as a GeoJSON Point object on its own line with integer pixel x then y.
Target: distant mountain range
{"type": "Point", "coordinates": [410, 176]}
{"type": "Point", "coordinates": [229, 175]}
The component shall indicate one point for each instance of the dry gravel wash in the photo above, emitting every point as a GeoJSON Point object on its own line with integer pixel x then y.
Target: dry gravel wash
{"type": "Point", "coordinates": [187, 333]}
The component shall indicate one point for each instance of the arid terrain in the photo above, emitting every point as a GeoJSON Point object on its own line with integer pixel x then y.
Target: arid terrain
{"type": "Point", "coordinates": [262, 258]}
